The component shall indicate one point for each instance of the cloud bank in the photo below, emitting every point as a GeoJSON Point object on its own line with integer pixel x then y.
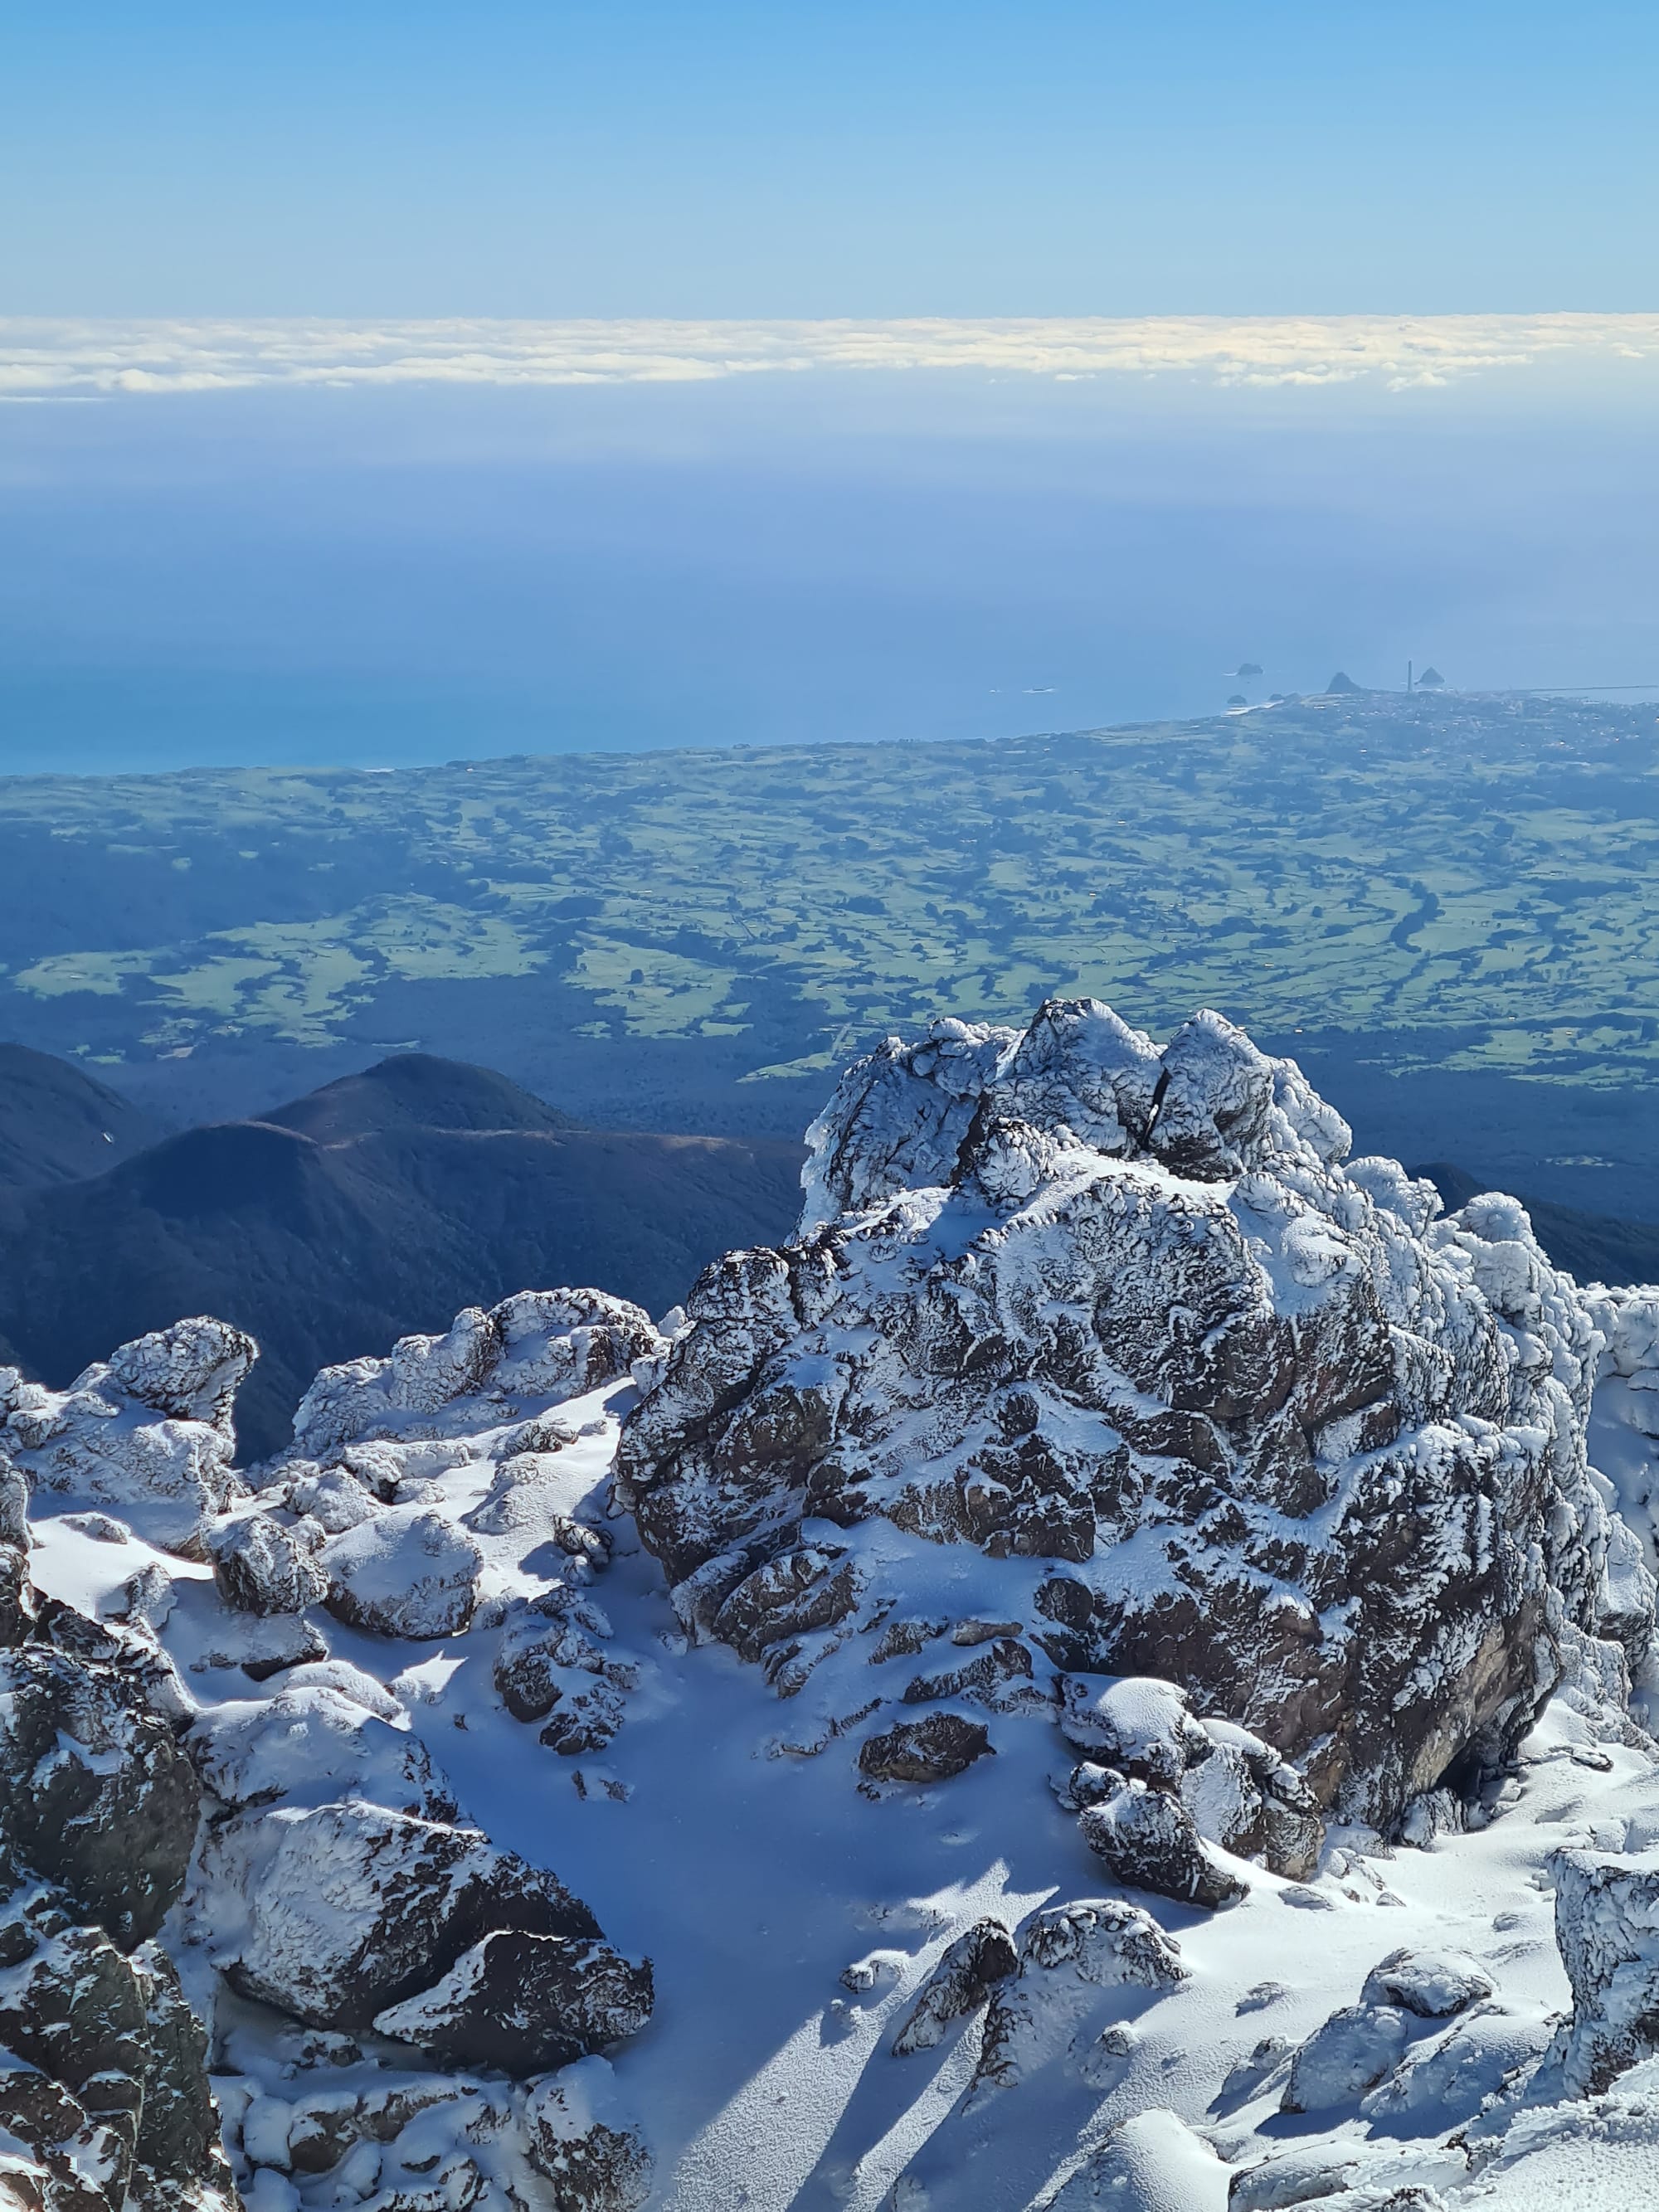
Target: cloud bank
{"type": "Point", "coordinates": [59, 359]}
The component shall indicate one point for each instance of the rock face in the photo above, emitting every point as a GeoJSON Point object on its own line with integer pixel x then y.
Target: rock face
{"type": "Point", "coordinates": [148, 1430]}
{"type": "Point", "coordinates": [1239, 1413]}
{"type": "Point", "coordinates": [105, 2102]}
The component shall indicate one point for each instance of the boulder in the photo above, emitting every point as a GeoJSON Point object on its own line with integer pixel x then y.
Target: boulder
{"type": "Point", "coordinates": [336, 1912]}
{"type": "Point", "coordinates": [1070, 1955]}
{"type": "Point", "coordinates": [1147, 1839]}
{"type": "Point", "coordinates": [1353, 2050]}
{"type": "Point", "coordinates": [314, 1743]}
{"type": "Point", "coordinates": [930, 1750]}
{"type": "Point", "coordinates": [408, 1572]}
{"type": "Point", "coordinates": [262, 1565]}
{"type": "Point", "coordinates": [970, 1968]}
{"type": "Point", "coordinates": [1431, 1984]}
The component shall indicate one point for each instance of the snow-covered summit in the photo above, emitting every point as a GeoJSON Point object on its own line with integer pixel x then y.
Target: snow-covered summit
{"type": "Point", "coordinates": [1101, 1673]}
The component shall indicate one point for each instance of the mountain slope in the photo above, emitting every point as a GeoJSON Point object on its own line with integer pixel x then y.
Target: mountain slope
{"type": "Point", "coordinates": [373, 1207]}
{"type": "Point", "coordinates": [57, 1124]}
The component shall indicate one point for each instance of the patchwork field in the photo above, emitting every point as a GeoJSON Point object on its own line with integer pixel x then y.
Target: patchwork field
{"type": "Point", "coordinates": [1458, 887]}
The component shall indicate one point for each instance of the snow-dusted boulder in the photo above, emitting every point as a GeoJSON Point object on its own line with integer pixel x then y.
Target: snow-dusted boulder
{"type": "Point", "coordinates": [263, 1564]}
{"type": "Point", "coordinates": [1238, 1414]}
{"type": "Point", "coordinates": [584, 2142]}
{"type": "Point", "coordinates": [314, 1743]}
{"type": "Point", "coordinates": [538, 1347]}
{"type": "Point", "coordinates": [410, 1571]}
{"type": "Point", "coordinates": [149, 1430]}
{"type": "Point", "coordinates": [1145, 1838]}
{"type": "Point", "coordinates": [930, 1750]}
{"type": "Point", "coordinates": [525, 2003]}
{"type": "Point", "coordinates": [1433, 1984]}
{"type": "Point", "coordinates": [333, 1913]}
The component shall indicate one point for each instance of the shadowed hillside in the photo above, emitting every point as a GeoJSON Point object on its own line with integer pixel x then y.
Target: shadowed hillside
{"type": "Point", "coordinates": [376, 1205]}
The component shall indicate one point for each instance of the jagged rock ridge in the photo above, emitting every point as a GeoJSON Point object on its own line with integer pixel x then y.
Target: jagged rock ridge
{"type": "Point", "coordinates": [1272, 1430]}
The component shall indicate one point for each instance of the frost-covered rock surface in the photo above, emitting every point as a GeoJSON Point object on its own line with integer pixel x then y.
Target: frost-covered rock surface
{"type": "Point", "coordinates": [1034, 1777]}
{"type": "Point", "coordinates": [1253, 1419]}
{"type": "Point", "coordinates": [147, 1431]}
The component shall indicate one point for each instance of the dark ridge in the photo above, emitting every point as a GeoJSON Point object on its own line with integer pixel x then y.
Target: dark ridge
{"type": "Point", "coordinates": [1596, 1248]}
{"type": "Point", "coordinates": [377, 1205]}
{"type": "Point", "coordinates": [58, 1124]}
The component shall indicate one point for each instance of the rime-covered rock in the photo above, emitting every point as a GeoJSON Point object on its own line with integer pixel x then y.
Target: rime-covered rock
{"type": "Point", "coordinates": [410, 1571]}
{"type": "Point", "coordinates": [148, 1430]}
{"type": "Point", "coordinates": [539, 1346]}
{"type": "Point", "coordinates": [981, 1957]}
{"type": "Point", "coordinates": [1069, 1956]}
{"type": "Point", "coordinates": [1433, 1984]}
{"type": "Point", "coordinates": [1263, 1426]}
{"type": "Point", "coordinates": [263, 1564]}
{"type": "Point", "coordinates": [1353, 2050]}
{"type": "Point", "coordinates": [1606, 1928]}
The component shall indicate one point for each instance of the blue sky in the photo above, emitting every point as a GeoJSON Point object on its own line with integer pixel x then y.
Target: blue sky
{"type": "Point", "coordinates": [614, 157]}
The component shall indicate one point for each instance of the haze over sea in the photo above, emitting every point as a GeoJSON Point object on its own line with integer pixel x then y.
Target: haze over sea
{"type": "Point", "coordinates": [311, 543]}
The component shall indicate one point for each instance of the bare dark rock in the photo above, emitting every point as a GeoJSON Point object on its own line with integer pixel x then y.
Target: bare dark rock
{"type": "Point", "coordinates": [525, 2003]}
{"type": "Point", "coordinates": [930, 1750]}
{"type": "Point", "coordinates": [970, 1968]}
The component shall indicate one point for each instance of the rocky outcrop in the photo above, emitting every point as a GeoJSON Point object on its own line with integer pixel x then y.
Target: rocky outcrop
{"type": "Point", "coordinates": [148, 1431]}
{"type": "Point", "coordinates": [1071, 1956]}
{"type": "Point", "coordinates": [1607, 1927]}
{"type": "Point", "coordinates": [1236, 1411]}
{"type": "Point", "coordinates": [104, 2101]}
{"type": "Point", "coordinates": [970, 1969]}
{"type": "Point", "coordinates": [342, 1885]}
{"type": "Point", "coordinates": [544, 1346]}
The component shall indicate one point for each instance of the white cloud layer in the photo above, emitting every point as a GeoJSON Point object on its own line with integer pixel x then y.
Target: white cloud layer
{"type": "Point", "coordinates": [41, 359]}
